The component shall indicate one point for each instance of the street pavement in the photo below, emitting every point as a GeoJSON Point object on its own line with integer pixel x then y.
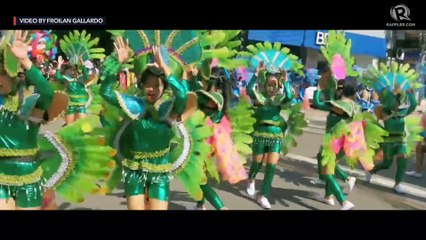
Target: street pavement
{"type": "Point", "coordinates": [292, 188]}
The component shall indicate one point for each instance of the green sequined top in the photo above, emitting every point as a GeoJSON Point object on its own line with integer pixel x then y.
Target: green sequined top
{"type": "Point", "coordinates": [349, 109]}
{"type": "Point", "coordinates": [269, 122]}
{"type": "Point", "coordinates": [151, 130]}
{"type": "Point", "coordinates": [395, 124]}
{"type": "Point", "coordinates": [75, 88]}
{"type": "Point", "coordinates": [18, 137]}
{"type": "Point", "coordinates": [215, 115]}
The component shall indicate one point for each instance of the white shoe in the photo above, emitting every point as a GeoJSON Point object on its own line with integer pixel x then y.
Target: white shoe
{"type": "Point", "coordinates": [350, 185]}
{"type": "Point", "coordinates": [251, 189]}
{"type": "Point", "coordinates": [264, 203]}
{"type": "Point", "coordinates": [368, 176]}
{"type": "Point", "coordinates": [196, 208]}
{"type": "Point", "coordinates": [399, 189]}
{"type": "Point", "coordinates": [414, 174]}
{"type": "Point", "coordinates": [329, 201]}
{"type": "Point", "coordinates": [347, 206]}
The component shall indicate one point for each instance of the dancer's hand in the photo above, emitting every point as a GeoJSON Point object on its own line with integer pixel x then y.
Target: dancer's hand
{"type": "Point", "coordinates": [283, 73]}
{"type": "Point", "coordinates": [260, 68]}
{"type": "Point", "coordinates": [60, 62]}
{"type": "Point", "coordinates": [123, 49]}
{"type": "Point", "coordinates": [159, 61]}
{"type": "Point", "coordinates": [190, 71]}
{"type": "Point", "coordinates": [19, 48]}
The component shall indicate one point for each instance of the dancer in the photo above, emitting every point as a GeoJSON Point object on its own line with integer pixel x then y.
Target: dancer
{"type": "Point", "coordinates": [22, 151]}
{"type": "Point", "coordinates": [215, 104]}
{"type": "Point", "coordinates": [332, 119]}
{"type": "Point", "coordinates": [398, 102]}
{"type": "Point", "coordinates": [148, 159]}
{"type": "Point", "coordinates": [269, 137]}
{"type": "Point", "coordinates": [79, 48]}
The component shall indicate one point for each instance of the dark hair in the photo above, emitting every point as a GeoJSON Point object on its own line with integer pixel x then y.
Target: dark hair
{"type": "Point", "coordinates": [68, 69]}
{"type": "Point", "coordinates": [349, 87]}
{"type": "Point", "coordinates": [146, 74]}
{"type": "Point", "coordinates": [223, 83]}
{"type": "Point", "coordinates": [276, 75]}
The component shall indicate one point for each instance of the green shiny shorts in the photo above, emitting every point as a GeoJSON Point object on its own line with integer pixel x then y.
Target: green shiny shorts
{"type": "Point", "coordinates": [394, 148]}
{"type": "Point", "coordinates": [266, 145]}
{"type": "Point", "coordinates": [136, 182]}
{"type": "Point", "coordinates": [76, 109]}
{"type": "Point", "coordinates": [21, 181]}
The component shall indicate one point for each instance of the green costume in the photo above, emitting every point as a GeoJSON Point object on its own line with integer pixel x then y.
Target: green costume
{"type": "Point", "coordinates": [343, 111]}
{"type": "Point", "coordinates": [20, 174]}
{"type": "Point", "coordinates": [332, 119]}
{"type": "Point", "coordinates": [393, 86]}
{"type": "Point", "coordinates": [151, 148]}
{"type": "Point", "coordinates": [273, 134]}
{"type": "Point", "coordinates": [149, 165]}
{"type": "Point", "coordinates": [78, 45]}
{"type": "Point", "coordinates": [76, 90]}
{"type": "Point", "coordinates": [72, 161]}
{"type": "Point", "coordinates": [349, 134]}
{"type": "Point", "coordinates": [215, 115]}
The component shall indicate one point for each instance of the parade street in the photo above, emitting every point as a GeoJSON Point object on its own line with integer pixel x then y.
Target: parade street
{"type": "Point", "coordinates": [293, 187]}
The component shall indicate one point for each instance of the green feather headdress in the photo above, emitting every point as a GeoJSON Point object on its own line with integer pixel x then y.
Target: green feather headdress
{"type": "Point", "coordinates": [80, 45]}
{"type": "Point", "coordinates": [274, 56]}
{"type": "Point", "coordinates": [182, 46]}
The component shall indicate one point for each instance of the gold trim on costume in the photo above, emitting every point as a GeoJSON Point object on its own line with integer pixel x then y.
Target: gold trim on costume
{"type": "Point", "coordinates": [76, 96]}
{"type": "Point", "coordinates": [268, 135]}
{"type": "Point", "coordinates": [15, 180]}
{"type": "Point", "coordinates": [157, 37]}
{"type": "Point", "coordinates": [171, 38]}
{"type": "Point", "coordinates": [150, 155]}
{"type": "Point", "coordinates": [124, 107]}
{"type": "Point", "coordinates": [77, 104]}
{"type": "Point", "coordinates": [12, 103]}
{"type": "Point", "coordinates": [207, 94]}
{"type": "Point", "coordinates": [187, 45]}
{"type": "Point", "coordinates": [144, 38]}
{"type": "Point", "coordinates": [133, 165]}
{"type": "Point", "coordinates": [5, 152]}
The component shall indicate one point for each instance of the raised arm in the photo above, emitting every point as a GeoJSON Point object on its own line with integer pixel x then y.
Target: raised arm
{"type": "Point", "coordinates": [58, 75]}
{"type": "Point", "coordinates": [107, 90]}
{"type": "Point", "coordinates": [179, 90]}
{"type": "Point", "coordinates": [318, 103]}
{"type": "Point", "coordinates": [189, 79]}
{"type": "Point", "coordinates": [413, 102]}
{"type": "Point", "coordinates": [33, 75]}
{"type": "Point", "coordinates": [111, 70]}
{"type": "Point", "coordinates": [179, 93]}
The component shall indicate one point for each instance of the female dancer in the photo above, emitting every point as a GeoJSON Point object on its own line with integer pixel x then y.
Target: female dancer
{"type": "Point", "coordinates": [215, 105]}
{"type": "Point", "coordinates": [404, 131]}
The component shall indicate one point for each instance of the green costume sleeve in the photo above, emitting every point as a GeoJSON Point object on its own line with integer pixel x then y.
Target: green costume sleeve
{"type": "Point", "coordinates": [252, 92]}
{"type": "Point", "coordinates": [59, 77]}
{"type": "Point", "coordinates": [413, 103]}
{"type": "Point", "coordinates": [192, 85]}
{"type": "Point", "coordinates": [179, 94]}
{"type": "Point", "coordinates": [85, 74]}
{"type": "Point", "coordinates": [107, 90]}
{"type": "Point", "coordinates": [217, 116]}
{"type": "Point", "coordinates": [42, 87]}
{"type": "Point", "coordinates": [318, 103]}
{"type": "Point", "coordinates": [185, 85]}
{"type": "Point", "coordinates": [287, 91]}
